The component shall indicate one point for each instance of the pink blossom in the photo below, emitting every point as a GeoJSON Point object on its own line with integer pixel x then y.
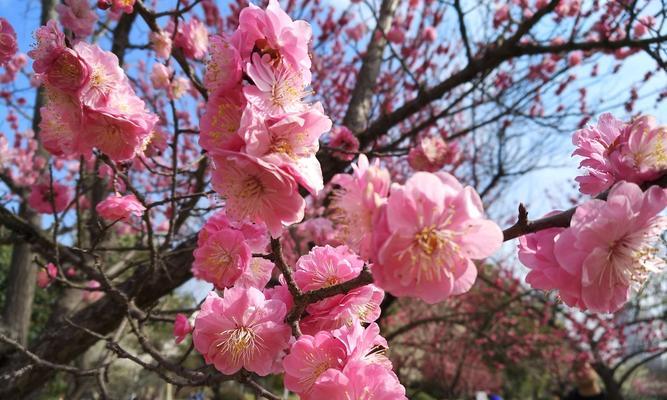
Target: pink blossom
{"type": "Point", "coordinates": [92, 295]}
{"type": "Point", "coordinates": [255, 235]}
{"type": "Point", "coordinates": [106, 75]}
{"type": "Point", "coordinates": [536, 251]}
{"type": "Point", "coordinates": [258, 273]}
{"type": "Point", "coordinates": [59, 119]}
{"type": "Point", "coordinates": [613, 245]}
{"type": "Point", "coordinates": [68, 72]}
{"type": "Point", "coordinates": [222, 258]}
{"type": "Point", "coordinates": [501, 15]}
{"type": "Point", "coordinates": [241, 330]}
{"type": "Point", "coordinates": [574, 58]}
{"type": "Point", "coordinates": [219, 126]}
{"type": "Point", "coordinates": [120, 208]}
{"type": "Point", "coordinates": [161, 42]}
{"type": "Point", "coordinates": [256, 190]}
{"type": "Point", "coordinates": [46, 275]}
{"type": "Point", "coordinates": [50, 42]}
{"type": "Point", "coordinates": [275, 90]}
{"type": "Point", "coordinates": [430, 34]}
{"type": "Point", "coordinates": [342, 138]}
{"type": "Point", "coordinates": [289, 142]}
{"type": "Point", "coordinates": [357, 32]}
{"type": "Point", "coordinates": [615, 151]}
{"type": "Point", "coordinates": [161, 76]}
{"type": "Point", "coordinates": [223, 69]}
{"type": "Point", "coordinates": [182, 327]}
{"type": "Point", "coordinates": [121, 130]}
{"type": "Point", "coordinates": [643, 24]}
{"type": "Point", "coordinates": [595, 143]}
{"type": "Point", "coordinates": [431, 229]}
{"type": "Point", "coordinates": [192, 37]}
{"type": "Point", "coordinates": [360, 305]}
{"type": "Point", "coordinates": [642, 152]}
{"type": "Point", "coordinates": [8, 43]}
{"type": "Point", "coordinates": [178, 87]}
{"type": "Point", "coordinates": [273, 33]}
{"type": "Point", "coordinates": [357, 201]}
{"type": "Point", "coordinates": [362, 344]}
{"type": "Point", "coordinates": [431, 154]}
{"type": "Point", "coordinates": [326, 266]}
{"type": "Point", "coordinates": [357, 381]}
{"type": "Point", "coordinates": [309, 358]}
{"type": "Point", "coordinates": [77, 16]}
{"type": "Point", "coordinates": [396, 34]}
{"type": "Point", "coordinates": [42, 200]}
{"type": "Point", "coordinates": [126, 6]}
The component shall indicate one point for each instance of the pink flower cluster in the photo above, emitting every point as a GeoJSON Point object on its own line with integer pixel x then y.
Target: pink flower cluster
{"type": "Point", "coordinates": [243, 329]}
{"type": "Point", "coordinates": [432, 153]}
{"type": "Point", "coordinates": [77, 16]}
{"type": "Point", "coordinates": [49, 198]}
{"type": "Point", "coordinates": [609, 247]}
{"type": "Point", "coordinates": [613, 151]}
{"type": "Point", "coordinates": [120, 208]}
{"type": "Point", "coordinates": [421, 236]}
{"type": "Point", "coordinates": [260, 134]}
{"type": "Point", "coordinates": [8, 44]}
{"type": "Point", "coordinates": [90, 102]}
{"type": "Point", "coordinates": [224, 253]}
{"type": "Point", "coordinates": [327, 266]}
{"type": "Point", "coordinates": [347, 363]}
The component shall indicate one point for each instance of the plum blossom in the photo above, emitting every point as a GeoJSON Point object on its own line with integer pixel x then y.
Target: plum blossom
{"type": "Point", "coordinates": [223, 69]}
{"type": "Point", "coordinates": [222, 258]}
{"type": "Point", "coordinates": [273, 33]}
{"type": "Point", "coordinates": [430, 34]}
{"type": "Point", "coordinates": [613, 151]}
{"type": "Point", "coordinates": [46, 275]}
{"type": "Point", "coordinates": [45, 201]}
{"type": "Point", "coordinates": [357, 201]}
{"type": "Point", "coordinates": [182, 328]}
{"type": "Point", "coordinates": [120, 208]}
{"type": "Point", "coordinates": [431, 154]}
{"type": "Point", "coordinates": [426, 236]}
{"type": "Point", "coordinates": [309, 358]}
{"type": "Point", "coordinates": [161, 76]}
{"type": "Point", "coordinates": [77, 16]}
{"type": "Point", "coordinates": [68, 72]}
{"type": "Point", "coordinates": [359, 381]}
{"type": "Point", "coordinates": [49, 43]}
{"type": "Point", "coordinates": [92, 294]}
{"type": "Point", "coordinates": [126, 6]}
{"type": "Point", "coordinates": [8, 43]}
{"type": "Point", "coordinates": [256, 190]}
{"type": "Point", "coordinates": [161, 42]}
{"type": "Point", "coordinates": [275, 90]}
{"type": "Point", "coordinates": [258, 273]}
{"type": "Point", "coordinates": [255, 235]}
{"type": "Point", "coordinates": [536, 251]}
{"type": "Point", "coordinates": [242, 329]}
{"type": "Point", "coordinates": [220, 123]}
{"type": "Point", "coordinates": [289, 142]}
{"type": "Point", "coordinates": [614, 245]}
{"type": "Point", "coordinates": [328, 365]}
{"type": "Point", "coordinates": [192, 37]}
{"type": "Point", "coordinates": [342, 138]}
{"type": "Point", "coordinates": [327, 266]}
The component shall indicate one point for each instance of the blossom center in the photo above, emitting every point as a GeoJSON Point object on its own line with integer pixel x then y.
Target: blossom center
{"type": "Point", "coordinates": [239, 343]}
{"type": "Point", "coordinates": [429, 240]}
{"type": "Point", "coordinates": [251, 187]}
